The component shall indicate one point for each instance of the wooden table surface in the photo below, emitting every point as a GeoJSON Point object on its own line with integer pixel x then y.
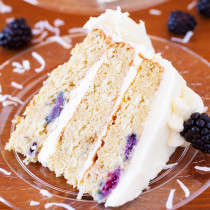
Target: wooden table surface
{"type": "Point", "coordinates": [156, 25]}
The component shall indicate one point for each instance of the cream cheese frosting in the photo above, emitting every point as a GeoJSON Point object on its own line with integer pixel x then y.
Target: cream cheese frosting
{"type": "Point", "coordinates": [173, 103]}
{"type": "Point", "coordinates": [121, 28]}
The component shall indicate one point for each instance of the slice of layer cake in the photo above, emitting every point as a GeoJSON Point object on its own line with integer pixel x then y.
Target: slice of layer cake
{"type": "Point", "coordinates": [109, 119]}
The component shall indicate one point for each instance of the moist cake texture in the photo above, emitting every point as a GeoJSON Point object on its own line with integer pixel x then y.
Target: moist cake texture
{"type": "Point", "coordinates": [109, 119]}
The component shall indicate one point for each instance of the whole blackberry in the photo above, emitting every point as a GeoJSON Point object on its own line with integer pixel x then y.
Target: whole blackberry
{"type": "Point", "coordinates": [16, 34]}
{"type": "Point", "coordinates": [203, 8]}
{"type": "Point", "coordinates": [197, 131]}
{"type": "Point", "coordinates": [181, 22]}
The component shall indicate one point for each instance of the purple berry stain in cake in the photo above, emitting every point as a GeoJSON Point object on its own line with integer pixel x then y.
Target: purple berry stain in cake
{"type": "Point", "coordinates": [131, 142]}
{"type": "Point", "coordinates": [57, 108]}
{"type": "Point", "coordinates": [33, 147]}
{"type": "Point", "coordinates": [110, 183]}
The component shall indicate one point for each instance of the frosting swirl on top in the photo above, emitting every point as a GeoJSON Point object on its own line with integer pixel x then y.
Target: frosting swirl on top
{"type": "Point", "coordinates": [120, 27]}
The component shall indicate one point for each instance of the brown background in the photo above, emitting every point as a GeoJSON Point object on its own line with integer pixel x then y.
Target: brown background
{"type": "Point", "coordinates": [156, 25]}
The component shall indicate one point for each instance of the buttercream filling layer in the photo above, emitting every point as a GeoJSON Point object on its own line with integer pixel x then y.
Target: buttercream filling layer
{"type": "Point", "coordinates": [76, 95]}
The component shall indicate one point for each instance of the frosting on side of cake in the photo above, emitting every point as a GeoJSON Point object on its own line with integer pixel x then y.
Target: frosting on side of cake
{"type": "Point", "coordinates": [143, 166]}
{"type": "Point", "coordinates": [76, 95]}
{"type": "Point", "coordinates": [121, 28]}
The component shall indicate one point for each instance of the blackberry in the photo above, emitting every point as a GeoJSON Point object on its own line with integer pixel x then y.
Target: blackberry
{"type": "Point", "coordinates": [203, 8]}
{"type": "Point", "coordinates": [16, 34]}
{"type": "Point", "coordinates": [181, 22]}
{"type": "Point", "coordinates": [197, 131]}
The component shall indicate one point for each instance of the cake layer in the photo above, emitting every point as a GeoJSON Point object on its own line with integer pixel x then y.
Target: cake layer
{"type": "Point", "coordinates": [33, 129]}
{"type": "Point", "coordinates": [124, 130]}
{"type": "Point", "coordinates": [87, 122]}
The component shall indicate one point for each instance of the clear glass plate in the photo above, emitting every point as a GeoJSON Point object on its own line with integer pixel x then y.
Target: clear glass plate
{"type": "Point", "coordinates": [93, 7]}
{"type": "Point", "coordinates": [24, 183]}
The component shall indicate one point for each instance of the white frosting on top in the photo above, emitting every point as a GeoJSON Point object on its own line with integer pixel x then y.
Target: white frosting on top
{"type": "Point", "coordinates": [76, 95]}
{"type": "Point", "coordinates": [165, 121]}
{"type": "Point", "coordinates": [121, 28]}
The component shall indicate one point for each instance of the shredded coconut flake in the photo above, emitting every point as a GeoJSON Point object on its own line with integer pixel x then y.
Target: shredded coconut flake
{"type": "Point", "coordinates": [155, 12]}
{"type": "Point", "coordinates": [45, 193]}
{"type": "Point", "coordinates": [9, 100]}
{"type": "Point", "coordinates": [40, 60]}
{"type": "Point", "coordinates": [34, 2]}
{"type": "Point", "coordinates": [192, 5]}
{"type": "Point", "coordinates": [21, 68]}
{"type": "Point", "coordinates": [61, 41]}
{"type": "Point", "coordinates": [170, 166]}
{"type": "Point", "coordinates": [16, 85]}
{"type": "Point", "coordinates": [169, 203]}
{"type": "Point", "coordinates": [47, 205]}
{"type": "Point", "coordinates": [9, 20]}
{"type": "Point", "coordinates": [186, 38]}
{"type": "Point", "coordinates": [204, 168]}
{"type": "Point", "coordinates": [77, 30]}
{"type": "Point", "coordinates": [5, 8]}
{"type": "Point", "coordinates": [184, 188]}
{"type": "Point", "coordinates": [5, 172]}
{"type": "Point", "coordinates": [5, 202]}
{"type": "Point", "coordinates": [41, 37]}
{"type": "Point", "coordinates": [34, 203]}
{"type": "Point", "coordinates": [58, 22]}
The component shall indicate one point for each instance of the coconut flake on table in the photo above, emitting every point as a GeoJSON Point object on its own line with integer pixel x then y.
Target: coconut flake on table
{"type": "Point", "coordinates": [42, 28]}
{"type": "Point", "coordinates": [7, 100]}
{"type": "Point", "coordinates": [48, 205]}
{"type": "Point", "coordinates": [9, 20]}
{"type": "Point", "coordinates": [184, 188]}
{"type": "Point", "coordinates": [34, 203]}
{"type": "Point", "coordinates": [77, 30]}
{"type": "Point", "coordinates": [170, 166]}
{"type": "Point", "coordinates": [58, 22]}
{"type": "Point", "coordinates": [16, 85]}
{"type": "Point", "coordinates": [169, 203]}
{"type": "Point", "coordinates": [62, 41]}
{"type": "Point", "coordinates": [5, 8]}
{"type": "Point", "coordinates": [41, 37]}
{"type": "Point", "coordinates": [192, 5]}
{"type": "Point", "coordinates": [155, 12]}
{"type": "Point", "coordinates": [34, 2]}
{"type": "Point", "coordinates": [204, 168]}
{"type": "Point", "coordinates": [186, 38]}
{"type": "Point", "coordinates": [5, 172]}
{"type": "Point", "coordinates": [45, 193]}
{"type": "Point", "coordinates": [21, 68]}
{"type": "Point", "coordinates": [44, 24]}
{"type": "Point", "coordinates": [6, 202]}
{"type": "Point", "coordinates": [40, 60]}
